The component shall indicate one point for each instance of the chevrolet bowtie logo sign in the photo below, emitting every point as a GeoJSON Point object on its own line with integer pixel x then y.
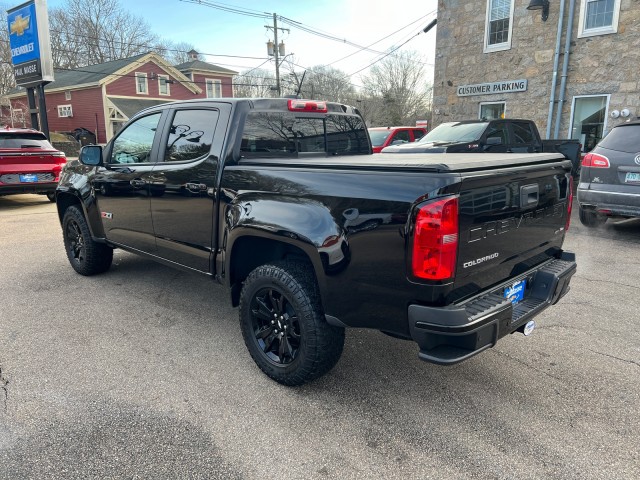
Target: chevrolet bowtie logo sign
{"type": "Point", "coordinates": [19, 25]}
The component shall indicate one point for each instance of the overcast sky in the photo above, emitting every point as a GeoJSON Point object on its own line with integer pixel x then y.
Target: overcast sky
{"type": "Point", "coordinates": [216, 33]}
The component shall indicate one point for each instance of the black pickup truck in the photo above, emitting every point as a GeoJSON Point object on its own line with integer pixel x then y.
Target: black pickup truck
{"type": "Point", "coordinates": [283, 201]}
{"type": "Point", "coordinates": [505, 135]}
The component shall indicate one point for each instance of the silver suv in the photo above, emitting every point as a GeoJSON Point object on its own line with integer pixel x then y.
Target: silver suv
{"type": "Point", "coordinates": [610, 177]}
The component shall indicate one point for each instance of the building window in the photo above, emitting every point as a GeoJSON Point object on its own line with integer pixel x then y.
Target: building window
{"type": "Point", "coordinates": [141, 84]}
{"type": "Point", "coordinates": [499, 25]}
{"type": "Point", "coordinates": [163, 85]}
{"type": "Point", "coordinates": [65, 111]}
{"type": "Point", "coordinates": [67, 95]}
{"type": "Point", "coordinates": [598, 17]}
{"type": "Point", "coordinates": [589, 119]}
{"type": "Point", "coordinates": [214, 88]}
{"type": "Point", "coordinates": [492, 111]}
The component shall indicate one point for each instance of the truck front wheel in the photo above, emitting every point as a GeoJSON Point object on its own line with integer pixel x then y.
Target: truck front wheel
{"type": "Point", "coordinates": [284, 327]}
{"type": "Point", "coordinates": [87, 257]}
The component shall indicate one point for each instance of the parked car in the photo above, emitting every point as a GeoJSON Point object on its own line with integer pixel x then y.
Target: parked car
{"type": "Point", "coordinates": [610, 177]}
{"type": "Point", "coordinates": [28, 163]}
{"type": "Point", "coordinates": [384, 136]}
{"type": "Point", "coordinates": [506, 135]}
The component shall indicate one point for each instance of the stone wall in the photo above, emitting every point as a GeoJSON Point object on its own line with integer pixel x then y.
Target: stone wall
{"type": "Point", "coordinates": [604, 64]}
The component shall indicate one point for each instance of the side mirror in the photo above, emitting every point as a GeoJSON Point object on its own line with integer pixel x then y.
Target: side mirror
{"type": "Point", "coordinates": [91, 155]}
{"type": "Point", "coordinates": [494, 141]}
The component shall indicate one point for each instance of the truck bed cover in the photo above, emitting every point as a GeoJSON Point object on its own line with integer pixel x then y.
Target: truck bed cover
{"type": "Point", "coordinates": [434, 162]}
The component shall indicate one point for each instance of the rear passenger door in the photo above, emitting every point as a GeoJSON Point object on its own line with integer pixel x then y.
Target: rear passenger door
{"type": "Point", "coordinates": [183, 184]}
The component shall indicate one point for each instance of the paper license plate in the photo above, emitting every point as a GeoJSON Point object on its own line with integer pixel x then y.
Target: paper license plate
{"type": "Point", "coordinates": [632, 177]}
{"type": "Point", "coordinates": [28, 177]}
{"type": "Point", "coordinates": [515, 292]}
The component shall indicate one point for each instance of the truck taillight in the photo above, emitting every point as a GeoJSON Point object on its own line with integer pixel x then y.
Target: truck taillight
{"type": "Point", "coordinates": [594, 160]}
{"type": "Point", "coordinates": [435, 240]}
{"type": "Point", "coordinates": [307, 106]}
{"type": "Point", "coordinates": [570, 197]}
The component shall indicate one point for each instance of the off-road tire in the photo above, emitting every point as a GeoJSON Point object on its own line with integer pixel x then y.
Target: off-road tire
{"type": "Point", "coordinates": [590, 218]}
{"type": "Point", "coordinates": [283, 324]}
{"type": "Point", "coordinates": [87, 257]}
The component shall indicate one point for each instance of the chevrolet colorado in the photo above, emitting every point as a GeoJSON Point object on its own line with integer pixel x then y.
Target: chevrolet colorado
{"type": "Point", "coordinates": [282, 201]}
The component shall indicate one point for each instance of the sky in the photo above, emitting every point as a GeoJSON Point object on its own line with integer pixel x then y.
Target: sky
{"type": "Point", "coordinates": [226, 37]}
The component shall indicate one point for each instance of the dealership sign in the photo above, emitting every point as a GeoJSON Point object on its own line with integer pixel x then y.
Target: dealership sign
{"type": "Point", "coordinates": [507, 86]}
{"type": "Point", "coordinates": [30, 44]}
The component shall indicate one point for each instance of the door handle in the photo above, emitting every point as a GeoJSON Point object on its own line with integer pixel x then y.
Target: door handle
{"type": "Point", "coordinates": [195, 187]}
{"type": "Point", "coordinates": [136, 182]}
{"type": "Point", "coordinates": [529, 196]}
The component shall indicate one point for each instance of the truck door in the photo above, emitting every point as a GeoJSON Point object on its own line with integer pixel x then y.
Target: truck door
{"type": "Point", "coordinates": [121, 188]}
{"type": "Point", "coordinates": [183, 186]}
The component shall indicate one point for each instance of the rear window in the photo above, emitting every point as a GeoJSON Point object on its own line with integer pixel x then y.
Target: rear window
{"type": "Point", "coordinates": [24, 140]}
{"type": "Point", "coordinates": [623, 139]}
{"type": "Point", "coordinates": [287, 135]}
{"type": "Point", "coordinates": [455, 132]}
{"type": "Point", "coordinates": [378, 137]}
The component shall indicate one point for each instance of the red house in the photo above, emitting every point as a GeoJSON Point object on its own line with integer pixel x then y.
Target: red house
{"type": "Point", "coordinates": [101, 98]}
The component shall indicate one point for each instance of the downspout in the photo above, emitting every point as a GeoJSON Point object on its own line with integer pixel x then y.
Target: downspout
{"type": "Point", "coordinates": [565, 66]}
{"type": "Point", "coordinates": [556, 62]}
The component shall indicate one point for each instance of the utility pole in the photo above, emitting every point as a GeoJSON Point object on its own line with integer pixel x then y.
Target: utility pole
{"type": "Point", "coordinates": [276, 49]}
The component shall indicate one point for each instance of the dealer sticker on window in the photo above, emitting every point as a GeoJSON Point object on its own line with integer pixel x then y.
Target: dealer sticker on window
{"type": "Point", "coordinates": [515, 292]}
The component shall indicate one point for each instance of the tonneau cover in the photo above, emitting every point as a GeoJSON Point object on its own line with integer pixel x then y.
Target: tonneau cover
{"type": "Point", "coordinates": [437, 162]}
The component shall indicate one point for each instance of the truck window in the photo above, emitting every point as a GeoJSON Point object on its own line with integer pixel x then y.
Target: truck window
{"type": "Point", "coordinates": [134, 143]}
{"type": "Point", "coordinates": [498, 130]}
{"type": "Point", "coordinates": [522, 133]}
{"type": "Point", "coordinates": [285, 135]}
{"type": "Point", "coordinates": [191, 134]}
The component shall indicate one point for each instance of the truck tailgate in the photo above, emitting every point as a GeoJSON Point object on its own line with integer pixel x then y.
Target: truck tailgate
{"type": "Point", "coordinates": [510, 220]}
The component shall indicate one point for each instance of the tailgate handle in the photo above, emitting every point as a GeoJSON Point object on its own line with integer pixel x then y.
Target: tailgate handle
{"type": "Point", "coordinates": [529, 196]}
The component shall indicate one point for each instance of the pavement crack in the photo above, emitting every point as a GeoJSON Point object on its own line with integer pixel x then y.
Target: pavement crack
{"type": "Point", "coordinates": [4, 384]}
{"type": "Point", "coordinates": [633, 362]}
{"type": "Point", "coordinates": [600, 280]}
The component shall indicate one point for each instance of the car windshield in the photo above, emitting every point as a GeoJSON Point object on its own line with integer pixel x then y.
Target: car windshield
{"type": "Point", "coordinates": [455, 132]}
{"type": "Point", "coordinates": [378, 136]}
{"type": "Point", "coordinates": [24, 140]}
{"type": "Point", "coordinates": [623, 139]}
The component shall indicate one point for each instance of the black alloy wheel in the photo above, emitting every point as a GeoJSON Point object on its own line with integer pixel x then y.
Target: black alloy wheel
{"type": "Point", "coordinates": [283, 325]}
{"type": "Point", "coordinates": [77, 248]}
{"type": "Point", "coordinates": [275, 325]}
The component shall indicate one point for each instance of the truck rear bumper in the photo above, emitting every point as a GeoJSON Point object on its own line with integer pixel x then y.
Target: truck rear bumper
{"type": "Point", "coordinates": [451, 334]}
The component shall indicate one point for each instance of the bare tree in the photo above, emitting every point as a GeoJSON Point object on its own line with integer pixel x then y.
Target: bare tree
{"type": "Point", "coordinates": [319, 82]}
{"type": "Point", "coordinates": [254, 83]}
{"type": "Point", "coordinates": [396, 90]}
{"type": "Point", "coordinates": [88, 33]}
{"type": "Point", "coordinates": [7, 80]}
{"type": "Point", "coordinates": [177, 53]}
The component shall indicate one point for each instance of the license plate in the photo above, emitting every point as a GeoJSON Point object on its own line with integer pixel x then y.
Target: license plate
{"type": "Point", "coordinates": [632, 177]}
{"type": "Point", "coordinates": [29, 178]}
{"type": "Point", "coordinates": [515, 292]}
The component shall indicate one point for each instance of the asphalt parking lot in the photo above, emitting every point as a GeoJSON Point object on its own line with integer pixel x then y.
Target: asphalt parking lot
{"type": "Point", "coordinates": [142, 373]}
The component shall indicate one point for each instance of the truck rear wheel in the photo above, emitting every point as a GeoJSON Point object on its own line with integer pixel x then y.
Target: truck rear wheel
{"type": "Point", "coordinates": [591, 218]}
{"type": "Point", "coordinates": [284, 327]}
{"type": "Point", "coordinates": [87, 257]}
